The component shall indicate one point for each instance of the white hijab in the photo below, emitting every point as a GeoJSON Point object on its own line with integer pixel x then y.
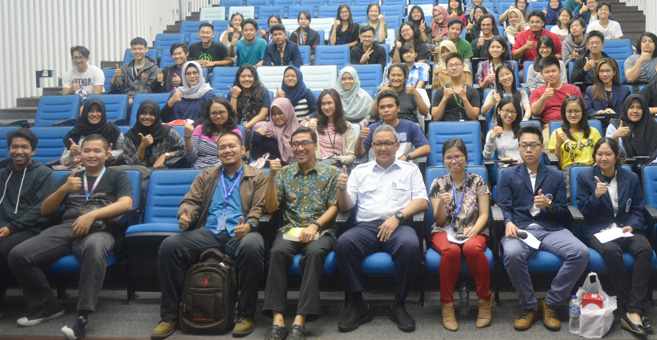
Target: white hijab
{"type": "Point", "coordinates": [356, 102]}
{"type": "Point", "coordinates": [197, 91]}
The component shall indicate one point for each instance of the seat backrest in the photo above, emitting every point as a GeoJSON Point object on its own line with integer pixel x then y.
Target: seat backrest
{"type": "Point", "coordinates": [283, 3]}
{"type": "Point", "coordinates": [370, 75]}
{"type": "Point", "coordinates": [398, 10]}
{"type": "Point", "coordinates": [248, 12]}
{"type": "Point", "coordinates": [50, 145]}
{"type": "Point", "coordinates": [526, 65]}
{"type": "Point", "coordinates": [222, 77]}
{"type": "Point", "coordinates": [594, 123]}
{"type": "Point", "coordinates": [293, 13]}
{"type": "Point", "coordinates": [323, 24]}
{"type": "Point", "coordinates": [164, 41]}
{"type": "Point", "coordinates": [440, 132]}
{"type": "Point", "coordinates": [189, 27]}
{"type": "Point", "coordinates": [213, 13]}
{"type": "Point", "coordinates": [116, 105]}
{"type": "Point", "coordinates": [290, 24]}
{"type": "Point", "coordinates": [52, 109]}
{"type": "Point", "coordinates": [357, 11]}
{"type": "Point", "coordinates": [219, 26]}
{"type": "Point", "coordinates": [4, 130]}
{"type": "Point", "coordinates": [327, 12]}
{"type": "Point", "coordinates": [109, 74]}
{"type": "Point", "coordinates": [305, 54]}
{"type": "Point", "coordinates": [574, 171]}
{"type": "Point", "coordinates": [621, 70]}
{"type": "Point", "coordinates": [160, 98]}
{"type": "Point", "coordinates": [272, 76]}
{"type": "Point", "coordinates": [387, 48]}
{"type": "Point", "coordinates": [649, 174]}
{"type": "Point", "coordinates": [165, 57]}
{"type": "Point", "coordinates": [165, 191]}
{"type": "Point", "coordinates": [320, 77]}
{"type": "Point", "coordinates": [394, 2]}
{"type": "Point", "coordinates": [231, 3]}
{"type": "Point", "coordinates": [128, 57]}
{"type": "Point", "coordinates": [332, 55]}
{"type": "Point", "coordinates": [256, 3]}
{"type": "Point", "coordinates": [393, 21]}
{"type": "Point", "coordinates": [618, 49]}
{"type": "Point", "coordinates": [267, 11]}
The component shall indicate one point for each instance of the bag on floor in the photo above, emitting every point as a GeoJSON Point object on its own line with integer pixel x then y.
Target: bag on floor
{"type": "Point", "coordinates": [595, 322]}
{"type": "Point", "coordinates": [209, 295]}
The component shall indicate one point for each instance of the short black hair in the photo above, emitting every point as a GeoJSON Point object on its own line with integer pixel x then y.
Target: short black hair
{"type": "Point", "coordinates": [596, 34]}
{"type": "Point", "coordinates": [537, 13]}
{"type": "Point", "coordinates": [613, 144]}
{"type": "Point", "coordinates": [179, 45]}
{"type": "Point", "coordinates": [453, 55]}
{"type": "Point", "coordinates": [531, 129]}
{"type": "Point", "coordinates": [24, 133]}
{"type": "Point", "coordinates": [81, 49]}
{"type": "Point", "coordinates": [603, 4]}
{"type": "Point", "coordinates": [548, 61]}
{"type": "Point", "coordinates": [304, 129]}
{"type": "Point", "coordinates": [305, 14]}
{"type": "Point", "coordinates": [452, 22]}
{"type": "Point", "coordinates": [138, 41]}
{"type": "Point", "coordinates": [582, 23]}
{"type": "Point", "coordinates": [277, 27]}
{"type": "Point", "coordinates": [206, 24]}
{"type": "Point", "coordinates": [401, 66]}
{"type": "Point", "coordinates": [230, 133]}
{"type": "Point", "coordinates": [458, 143]}
{"type": "Point", "coordinates": [94, 137]}
{"type": "Point", "coordinates": [405, 48]}
{"type": "Point", "coordinates": [250, 21]}
{"type": "Point", "coordinates": [387, 94]}
{"type": "Point", "coordinates": [649, 35]}
{"type": "Point", "coordinates": [367, 28]}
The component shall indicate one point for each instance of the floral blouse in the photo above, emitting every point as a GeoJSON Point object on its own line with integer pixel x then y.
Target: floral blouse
{"type": "Point", "coordinates": [474, 187]}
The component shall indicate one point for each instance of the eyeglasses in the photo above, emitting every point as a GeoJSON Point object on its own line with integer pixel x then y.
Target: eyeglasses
{"type": "Point", "coordinates": [605, 71]}
{"type": "Point", "coordinates": [305, 144]}
{"type": "Point", "coordinates": [218, 113]}
{"type": "Point", "coordinates": [382, 144]}
{"type": "Point", "coordinates": [79, 58]}
{"type": "Point", "coordinates": [535, 22]}
{"type": "Point", "coordinates": [454, 158]}
{"type": "Point", "coordinates": [533, 146]}
{"type": "Point", "coordinates": [573, 112]}
{"type": "Point", "coordinates": [454, 65]}
{"type": "Point", "coordinates": [508, 111]}
{"type": "Point", "coordinates": [594, 43]}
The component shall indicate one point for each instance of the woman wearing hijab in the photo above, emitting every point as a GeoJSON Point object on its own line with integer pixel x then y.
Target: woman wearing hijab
{"type": "Point", "coordinates": [92, 120]}
{"type": "Point", "coordinates": [149, 142]}
{"type": "Point", "coordinates": [293, 88]}
{"type": "Point", "coordinates": [249, 97]}
{"type": "Point", "coordinates": [635, 132]}
{"type": "Point", "coordinates": [356, 102]}
{"type": "Point", "coordinates": [516, 25]}
{"type": "Point", "coordinates": [552, 16]}
{"type": "Point", "coordinates": [439, 24]}
{"type": "Point", "coordinates": [440, 75]}
{"type": "Point", "coordinates": [186, 101]}
{"type": "Point", "coordinates": [274, 136]}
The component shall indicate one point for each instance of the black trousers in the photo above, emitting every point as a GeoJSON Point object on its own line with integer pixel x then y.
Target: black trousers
{"type": "Point", "coordinates": [5, 247]}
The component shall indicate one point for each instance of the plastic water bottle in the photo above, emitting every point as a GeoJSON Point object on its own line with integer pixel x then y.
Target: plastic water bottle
{"type": "Point", "coordinates": [464, 300]}
{"type": "Point", "coordinates": [574, 311]}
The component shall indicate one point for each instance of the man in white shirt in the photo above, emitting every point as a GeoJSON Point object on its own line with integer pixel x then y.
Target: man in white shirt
{"type": "Point", "coordinates": [387, 191]}
{"type": "Point", "coordinates": [83, 79]}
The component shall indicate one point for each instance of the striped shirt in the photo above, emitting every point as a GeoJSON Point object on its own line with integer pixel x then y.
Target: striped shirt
{"type": "Point", "coordinates": [302, 110]}
{"type": "Point", "coordinates": [204, 153]}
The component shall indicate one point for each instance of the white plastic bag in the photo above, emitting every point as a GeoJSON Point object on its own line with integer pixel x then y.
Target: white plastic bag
{"type": "Point", "coordinates": [595, 322]}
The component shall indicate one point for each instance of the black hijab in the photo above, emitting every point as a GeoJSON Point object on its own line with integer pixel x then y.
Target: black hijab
{"type": "Point", "coordinates": [642, 140]}
{"type": "Point", "coordinates": [158, 130]}
{"type": "Point", "coordinates": [84, 128]}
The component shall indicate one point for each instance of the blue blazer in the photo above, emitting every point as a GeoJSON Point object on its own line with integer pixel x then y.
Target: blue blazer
{"type": "Point", "coordinates": [618, 95]}
{"type": "Point", "coordinates": [291, 55]}
{"type": "Point", "coordinates": [599, 214]}
{"type": "Point", "coordinates": [516, 197]}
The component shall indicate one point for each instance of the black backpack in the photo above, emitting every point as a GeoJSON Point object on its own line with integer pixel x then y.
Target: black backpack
{"type": "Point", "coordinates": [209, 294]}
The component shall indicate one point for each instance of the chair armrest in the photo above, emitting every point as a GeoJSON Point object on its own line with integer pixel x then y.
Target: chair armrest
{"type": "Point", "coordinates": [22, 123]}
{"type": "Point", "coordinates": [122, 121]}
{"type": "Point", "coordinates": [498, 215]}
{"type": "Point", "coordinates": [176, 162]}
{"type": "Point", "coordinates": [652, 211]}
{"type": "Point", "coordinates": [553, 158]}
{"type": "Point", "coordinates": [65, 122]}
{"type": "Point", "coordinates": [650, 225]}
{"type": "Point", "coordinates": [497, 230]}
{"type": "Point", "coordinates": [577, 215]}
{"type": "Point", "coordinates": [265, 219]}
{"type": "Point", "coordinates": [343, 217]}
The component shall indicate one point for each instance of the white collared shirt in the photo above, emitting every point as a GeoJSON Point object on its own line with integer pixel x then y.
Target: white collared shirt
{"type": "Point", "coordinates": [381, 192]}
{"type": "Point", "coordinates": [612, 189]}
{"type": "Point", "coordinates": [532, 177]}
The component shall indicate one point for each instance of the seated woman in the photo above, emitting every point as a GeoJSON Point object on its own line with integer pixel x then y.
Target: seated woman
{"type": "Point", "coordinates": [573, 142]}
{"type": "Point", "coordinates": [186, 101]}
{"type": "Point", "coordinates": [460, 203]}
{"type": "Point", "coordinates": [150, 143]}
{"type": "Point", "coordinates": [503, 137]}
{"type": "Point", "coordinates": [563, 20]}
{"type": "Point", "coordinates": [521, 6]}
{"type": "Point", "coordinates": [606, 95]}
{"type": "Point", "coordinates": [201, 141]}
{"type": "Point", "coordinates": [635, 132]}
{"type": "Point", "coordinates": [418, 73]}
{"type": "Point", "coordinates": [440, 75]}
{"type": "Point", "coordinates": [553, 9]}
{"type": "Point", "coordinates": [505, 86]}
{"type": "Point", "coordinates": [455, 9]}
{"type": "Point", "coordinates": [575, 43]}
{"type": "Point", "coordinates": [496, 54]}
{"type": "Point", "coordinates": [234, 29]}
{"type": "Point", "coordinates": [439, 24]}
{"type": "Point", "coordinates": [516, 24]}
{"type": "Point", "coordinates": [249, 97]}
{"type": "Point", "coordinates": [354, 101]}
{"type": "Point", "coordinates": [345, 30]}
{"type": "Point", "coordinates": [410, 100]}
{"type": "Point", "coordinates": [409, 35]}
{"type": "Point", "coordinates": [335, 135]}
{"type": "Point", "coordinates": [294, 89]}
{"type": "Point", "coordinates": [92, 120]}
{"type": "Point", "coordinates": [611, 197]}
{"type": "Point", "coordinates": [486, 35]}
{"type": "Point", "coordinates": [274, 19]}
{"type": "Point", "coordinates": [416, 18]}
{"type": "Point", "coordinates": [544, 48]}
{"type": "Point", "coordinates": [304, 35]}
{"type": "Point", "coordinates": [274, 136]}
{"type": "Point", "coordinates": [377, 20]}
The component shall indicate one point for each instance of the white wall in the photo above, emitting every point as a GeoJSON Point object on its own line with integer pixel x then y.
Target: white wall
{"type": "Point", "coordinates": [37, 35]}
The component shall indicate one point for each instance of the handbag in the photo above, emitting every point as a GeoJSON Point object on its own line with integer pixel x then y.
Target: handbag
{"type": "Point", "coordinates": [595, 322]}
{"type": "Point", "coordinates": [95, 203]}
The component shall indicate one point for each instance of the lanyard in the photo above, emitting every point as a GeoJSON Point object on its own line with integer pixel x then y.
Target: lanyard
{"type": "Point", "coordinates": [573, 150]}
{"type": "Point", "coordinates": [651, 69]}
{"type": "Point", "coordinates": [88, 193]}
{"type": "Point", "coordinates": [228, 194]}
{"type": "Point", "coordinates": [460, 202]}
{"type": "Point", "coordinates": [335, 136]}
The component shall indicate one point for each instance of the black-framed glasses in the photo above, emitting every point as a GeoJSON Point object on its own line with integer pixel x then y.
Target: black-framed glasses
{"type": "Point", "coordinates": [382, 144]}
{"type": "Point", "coordinates": [305, 144]}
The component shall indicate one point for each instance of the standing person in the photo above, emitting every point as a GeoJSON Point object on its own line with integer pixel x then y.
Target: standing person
{"type": "Point", "coordinates": [83, 79]}
{"type": "Point", "coordinates": [207, 52]}
{"type": "Point", "coordinates": [137, 76]}
{"type": "Point", "coordinates": [234, 29]}
{"type": "Point", "coordinates": [610, 28]}
{"type": "Point", "coordinates": [575, 43]}
{"type": "Point", "coordinates": [505, 86]}
{"type": "Point", "coordinates": [502, 139]}
{"type": "Point", "coordinates": [642, 66]}
{"type": "Point", "coordinates": [544, 49]}
{"type": "Point", "coordinates": [533, 200]}
{"type": "Point", "coordinates": [368, 51]}
{"type": "Point", "coordinates": [387, 191]}
{"type": "Point", "coordinates": [331, 120]}
{"type": "Point", "coordinates": [585, 65]}
{"type": "Point", "coordinates": [635, 131]}
{"type": "Point", "coordinates": [606, 95]}
{"type": "Point", "coordinates": [186, 101]}
{"type": "Point", "coordinates": [377, 21]}
{"type": "Point", "coordinates": [304, 35]}
{"type": "Point", "coordinates": [560, 28]}
{"type": "Point", "coordinates": [411, 101]}
{"type": "Point", "coordinates": [171, 76]}
{"type": "Point", "coordinates": [236, 233]}
{"type": "Point", "coordinates": [345, 30]}
{"type": "Point", "coordinates": [355, 101]}
{"type": "Point", "coordinates": [313, 215]}
{"type": "Point", "coordinates": [456, 101]}
{"type": "Point", "coordinates": [251, 49]}
{"type": "Point", "coordinates": [439, 24]}
{"type": "Point", "coordinates": [27, 183]}
{"type": "Point", "coordinates": [408, 34]}
{"type": "Point", "coordinates": [602, 192]}
{"type": "Point", "coordinates": [294, 89]}
{"type": "Point", "coordinates": [73, 236]}
{"type": "Point", "coordinates": [497, 53]}
{"type": "Point", "coordinates": [281, 51]}
{"type": "Point", "coordinates": [416, 18]}
{"type": "Point", "coordinates": [516, 25]}
{"type": "Point", "coordinates": [524, 47]}
{"type": "Point", "coordinates": [249, 97]}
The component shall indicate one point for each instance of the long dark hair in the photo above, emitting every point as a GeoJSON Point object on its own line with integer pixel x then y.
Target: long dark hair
{"type": "Point", "coordinates": [583, 122]}
{"type": "Point", "coordinates": [613, 144]}
{"type": "Point", "coordinates": [598, 85]}
{"type": "Point", "coordinates": [515, 125]}
{"type": "Point", "coordinates": [417, 38]}
{"type": "Point", "coordinates": [517, 96]}
{"type": "Point", "coordinates": [351, 27]}
{"type": "Point", "coordinates": [208, 127]}
{"type": "Point", "coordinates": [339, 120]}
{"type": "Point", "coordinates": [544, 40]}
{"type": "Point", "coordinates": [256, 99]}
{"type": "Point", "coordinates": [654, 41]}
{"type": "Point", "coordinates": [564, 9]}
{"type": "Point", "coordinates": [416, 23]}
{"type": "Point", "coordinates": [505, 55]}
{"type": "Point", "coordinates": [459, 10]}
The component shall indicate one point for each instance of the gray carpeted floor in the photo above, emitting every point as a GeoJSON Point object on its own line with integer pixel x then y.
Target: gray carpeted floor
{"type": "Point", "coordinates": [115, 319]}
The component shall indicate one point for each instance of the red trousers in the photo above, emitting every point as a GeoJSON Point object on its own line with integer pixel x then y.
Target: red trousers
{"type": "Point", "coordinates": [450, 264]}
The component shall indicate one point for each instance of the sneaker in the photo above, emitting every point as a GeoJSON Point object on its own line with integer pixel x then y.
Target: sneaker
{"type": "Point", "coordinates": [243, 327]}
{"type": "Point", "coordinates": [41, 314]}
{"type": "Point", "coordinates": [163, 330]}
{"type": "Point", "coordinates": [75, 329]}
{"type": "Point", "coordinates": [526, 318]}
{"type": "Point", "coordinates": [276, 333]}
{"type": "Point", "coordinates": [354, 318]}
{"type": "Point", "coordinates": [550, 316]}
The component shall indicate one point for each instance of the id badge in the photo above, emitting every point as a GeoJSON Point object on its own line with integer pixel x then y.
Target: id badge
{"type": "Point", "coordinates": [221, 223]}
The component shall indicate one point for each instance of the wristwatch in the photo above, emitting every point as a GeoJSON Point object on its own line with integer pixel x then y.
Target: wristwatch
{"type": "Point", "coordinates": [252, 224]}
{"type": "Point", "coordinates": [408, 157]}
{"type": "Point", "coordinates": [166, 155]}
{"type": "Point", "coordinates": [399, 215]}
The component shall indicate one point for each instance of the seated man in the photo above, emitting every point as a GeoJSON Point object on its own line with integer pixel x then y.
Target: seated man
{"type": "Point", "coordinates": [307, 191]}
{"type": "Point", "coordinates": [649, 92]}
{"type": "Point", "coordinates": [25, 184]}
{"type": "Point", "coordinates": [282, 48]}
{"type": "Point", "coordinates": [83, 79]}
{"type": "Point", "coordinates": [413, 142]}
{"type": "Point", "coordinates": [524, 47]}
{"type": "Point", "coordinates": [387, 192]}
{"type": "Point", "coordinates": [137, 76]}
{"type": "Point", "coordinates": [207, 52]}
{"type": "Point", "coordinates": [584, 68]}
{"type": "Point", "coordinates": [171, 76]}
{"type": "Point", "coordinates": [463, 47]}
{"type": "Point", "coordinates": [533, 199]}
{"type": "Point", "coordinates": [457, 101]}
{"type": "Point", "coordinates": [251, 49]}
{"type": "Point", "coordinates": [368, 51]}
{"type": "Point", "coordinates": [77, 235]}
{"type": "Point", "coordinates": [220, 211]}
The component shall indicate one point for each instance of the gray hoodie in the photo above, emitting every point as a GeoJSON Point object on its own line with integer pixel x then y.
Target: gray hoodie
{"type": "Point", "coordinates": [22, 194]}
{"type": "Point", "coordinates": [568, 46]}
{"type": "Point", "coordinates": [143, 82]}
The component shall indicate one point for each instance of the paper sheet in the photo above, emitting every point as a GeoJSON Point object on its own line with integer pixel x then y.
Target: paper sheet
{"type": "Point", "coordinates": [451, 237]}
{"type": "Point", "coordinates": [611, 234]}
{"type": "Point", "coordinates": [531, 240]}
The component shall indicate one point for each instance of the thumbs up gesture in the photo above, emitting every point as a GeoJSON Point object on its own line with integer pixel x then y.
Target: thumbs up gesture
{"type": "Point", "coordinates": [73, 183]}
{"type": "Point", "coordinates": [117, 71]}
{"type": "Point", "coordinates": [622, 131]}
{"type": "Point", "coordinates": [343, 178]}
{"type": "Point", "coordinates": [235, 91]}
{"type": "Point", "coordinates": [160, 77]}
{"type": "Point", "coordinates": [549, 91]}
{"type": "Point", "coordinates": [600, 188]}
{"type": "Point", "coordinates": [540, 200]}
{"type": "Point", "coordinates": [274, 167]}
{"type": "Point", "coordinates": [241, 229]}
{"type": "Point", "coordinates": [146, 141]}
{"type": "Point", "coordinates": [279, 93]}
{"type": "Point", "coordinates": [497, 130]}
{"type": "Point", "coordinates": [176, 80]}
{"type": "Point", "coordinates": [176, 97]}
{"type": "Point", "coordinates": [561, 138]}
{"type": "Point", "coordinates": [75, 149]}
{"type": "Point", "coordinates": [185, 219]}
{"type": "Point", "coordinates": [364, 132]}
{"type": "Point", "coordinates": [75, 86]}
{"type": "Point", "coordinates": [590, 64]}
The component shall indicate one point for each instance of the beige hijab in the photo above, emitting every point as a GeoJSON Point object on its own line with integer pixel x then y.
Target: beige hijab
{"type": "Point", "coordinates": [440, 75]}
{"type": "Point", "coordinates": [521, 19]}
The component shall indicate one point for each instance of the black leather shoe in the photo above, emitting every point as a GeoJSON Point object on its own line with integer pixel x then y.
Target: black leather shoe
{"type": "Point", "coordinates": [297, 333]}
{"type": "Point", "coordinates": [276, 333]}
{"type": "Point", "coordinates": [632, 327]}
{"type": "Point", "coordinates": [354, 318]}
{"type": "Point", "coordinates": [403, 320]}
{"type": "Point", "coordinates": [647, 324]}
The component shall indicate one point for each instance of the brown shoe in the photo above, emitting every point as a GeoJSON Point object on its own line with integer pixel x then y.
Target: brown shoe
{"type": "Point", "coordinates": [550, 316]}
{"type": "Point", "coordinates": [485, 313]}
{"type": "Point", "coordinates": [449, 318]}
{"type": "Point", "coordinates": [526, 319]}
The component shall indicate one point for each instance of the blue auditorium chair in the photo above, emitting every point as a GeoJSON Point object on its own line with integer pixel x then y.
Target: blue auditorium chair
{"type": "Point", "coordinates": [128, 57]}
{"type": "Point", "coordinates": [116, 105]}
{"type": "Point", "coordinates": [56, 109]}
{"type": "Point", "coordinates": [440, 132]}
{"type": "Point", "coordinates": [222, 77]}
{"type": "Point", "coordinates": [164, 41]}
{"type": "Point", "coordinates": [370, 75]}
{"type": "Point", "coordinates": [50, 145]}
{"type": "Point", "coordinates": [4, 130]}
{"type": "Point", "coordinates": [332, 55]}
{"type": "Point", "coordinates": [618, 49]}
{"type": "Point", "coordinates": [265, 12]}
{"type": "Point", "coordinates": [293, 11]}
{"type": "Point", "coordinates": [189, 27]}
{"type": "Point", "coordinates": [305, 54]}
{"type": "Point", "coordinates": [160, 98]}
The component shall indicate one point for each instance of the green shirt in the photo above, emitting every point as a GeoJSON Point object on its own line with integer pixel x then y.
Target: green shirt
{"type": "Point", "coordinates": [464, 49]}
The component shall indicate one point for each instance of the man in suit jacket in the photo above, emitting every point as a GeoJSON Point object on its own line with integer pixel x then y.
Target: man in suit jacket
{"type": "Point", "coordinates": [533, 199]}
